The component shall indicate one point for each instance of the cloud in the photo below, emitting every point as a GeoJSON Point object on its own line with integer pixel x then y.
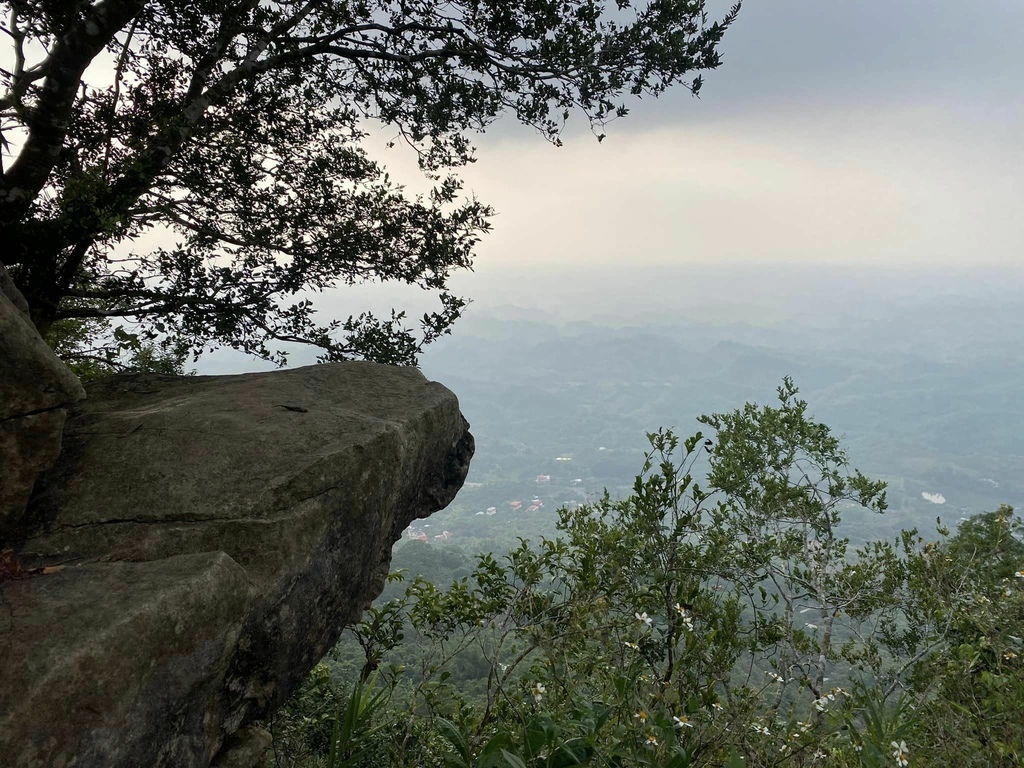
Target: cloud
{"type": "Point", "coordinates": [869, 51]}
{"type": "Point", "coordinates": [890, 187]}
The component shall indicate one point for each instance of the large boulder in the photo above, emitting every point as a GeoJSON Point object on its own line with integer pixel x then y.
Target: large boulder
{"type": "Point", "coordinates": [201, 543]}
{"type": "Point", "coordinates": [35, 391]}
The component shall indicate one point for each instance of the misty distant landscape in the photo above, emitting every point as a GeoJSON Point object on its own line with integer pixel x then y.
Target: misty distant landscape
{"type": "Point", "coordinates": [921, 375]}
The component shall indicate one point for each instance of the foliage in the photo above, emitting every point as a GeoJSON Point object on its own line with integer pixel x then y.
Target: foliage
{"type": "Point", "coordinates": [973, 684]}
{"type": "Point", "coordinates": [323, 725]}
{"type": "Point", "coordinates": [673, 627]}
{"type": "Point", "coordinates": [302, 729]}
{"type": "Point", "coordinates": [93, 348]}
{"type": "Point", "coordinates": [239, 128]}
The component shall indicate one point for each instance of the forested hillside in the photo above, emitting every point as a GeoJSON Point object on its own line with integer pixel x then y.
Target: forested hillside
{"type": "Point", "coordinates": [713, 611]}
{"type": "Point", "coordinates": [926, 397]}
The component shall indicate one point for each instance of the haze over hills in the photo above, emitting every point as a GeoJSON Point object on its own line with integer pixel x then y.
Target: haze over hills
{"type": "Point", "coordinates": [921, 374]}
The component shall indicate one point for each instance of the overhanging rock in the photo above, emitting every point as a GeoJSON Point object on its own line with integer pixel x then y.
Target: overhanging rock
{"type": "Point", "coordinates": [231, 526]}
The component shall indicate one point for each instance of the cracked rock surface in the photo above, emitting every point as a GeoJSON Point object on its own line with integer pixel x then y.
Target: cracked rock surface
{"type": "Point", "coordinates": [205, 540]}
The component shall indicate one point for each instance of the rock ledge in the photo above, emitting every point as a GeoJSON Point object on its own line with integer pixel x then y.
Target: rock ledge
{"type": "Point", "coordinates": [205, 540]}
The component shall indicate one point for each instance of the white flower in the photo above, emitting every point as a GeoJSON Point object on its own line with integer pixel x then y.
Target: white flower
{"type": "Point", "coordinates": [538, 691]}
{"type": "Point", "coordinates": [1019, 574]}
{"type": "Point", "coordinates": [776, 677]}
{"type": "Point", "coordinates": [901, 753]}
{"type": "Point", "coordinates": [652, 741]}
{"type": "Point", "coordinates": [682, 722]}
{"type": "Point", "coordinates": [811, 626]}
{"type": "Point", "coordinates": [685, 615]}
{"type": "Point", "coordinates": [819, 755]}
{"type": "Point", "coordinates": [762, 729]}
{"type": "Point", "coordinates": [632, 646]}
{"type": "Point", "coordinates": [641, 716]}
{"type": "Point", "coordinates": [644, 618]}
{"type": "Point", "coordinates": [716, 708]}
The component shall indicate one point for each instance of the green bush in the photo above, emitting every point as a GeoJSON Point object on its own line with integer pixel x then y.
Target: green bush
{"type": "Point", "coordinates": [704, 626]}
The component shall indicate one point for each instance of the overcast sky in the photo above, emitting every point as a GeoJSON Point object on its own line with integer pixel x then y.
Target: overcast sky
{"type": "Point", "coordinates": [881, 131]}
{"type": "Point", "coordinates": [876, 133]}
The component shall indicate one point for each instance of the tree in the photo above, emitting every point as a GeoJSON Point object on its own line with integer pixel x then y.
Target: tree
{"type": "Point", "coordinates": [664, 629]}
{"type": "Point", "coordinates": [237, 127]}
{"type": "Point", "coordinates": [94, 348]}
{"type": "Point", "coordinates": [712, 617]}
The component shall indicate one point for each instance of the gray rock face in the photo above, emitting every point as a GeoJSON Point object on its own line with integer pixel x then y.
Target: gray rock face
{"type": "Point", "coordinates": [35, 390]}
{"type": "Point", "coordinates": [213, 535]}
{"type": "Point", "coordinates": [110, 660]}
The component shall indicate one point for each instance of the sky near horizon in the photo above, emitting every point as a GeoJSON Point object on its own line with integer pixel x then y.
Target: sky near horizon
{"type": "Point", "coordinates": [876, 132]}
{"type": "Point", "coordinates": [854, 136]}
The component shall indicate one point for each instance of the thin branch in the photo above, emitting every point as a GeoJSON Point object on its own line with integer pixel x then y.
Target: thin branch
{"type": "Point", "coordinates": [122, 60]}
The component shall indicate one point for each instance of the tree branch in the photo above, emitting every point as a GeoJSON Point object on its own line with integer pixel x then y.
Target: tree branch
{"type": "Point", "coordinates": [48, 124]}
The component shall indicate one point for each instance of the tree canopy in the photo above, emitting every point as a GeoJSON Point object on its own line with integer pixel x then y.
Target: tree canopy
{"type": "Point", "coordinates": [237, 127]}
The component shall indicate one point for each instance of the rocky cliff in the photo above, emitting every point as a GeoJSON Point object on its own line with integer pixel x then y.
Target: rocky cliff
{"type": "Point", "coordinates": [199, 545]}
{"type": "Point", "coordinates": [35, 392]}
